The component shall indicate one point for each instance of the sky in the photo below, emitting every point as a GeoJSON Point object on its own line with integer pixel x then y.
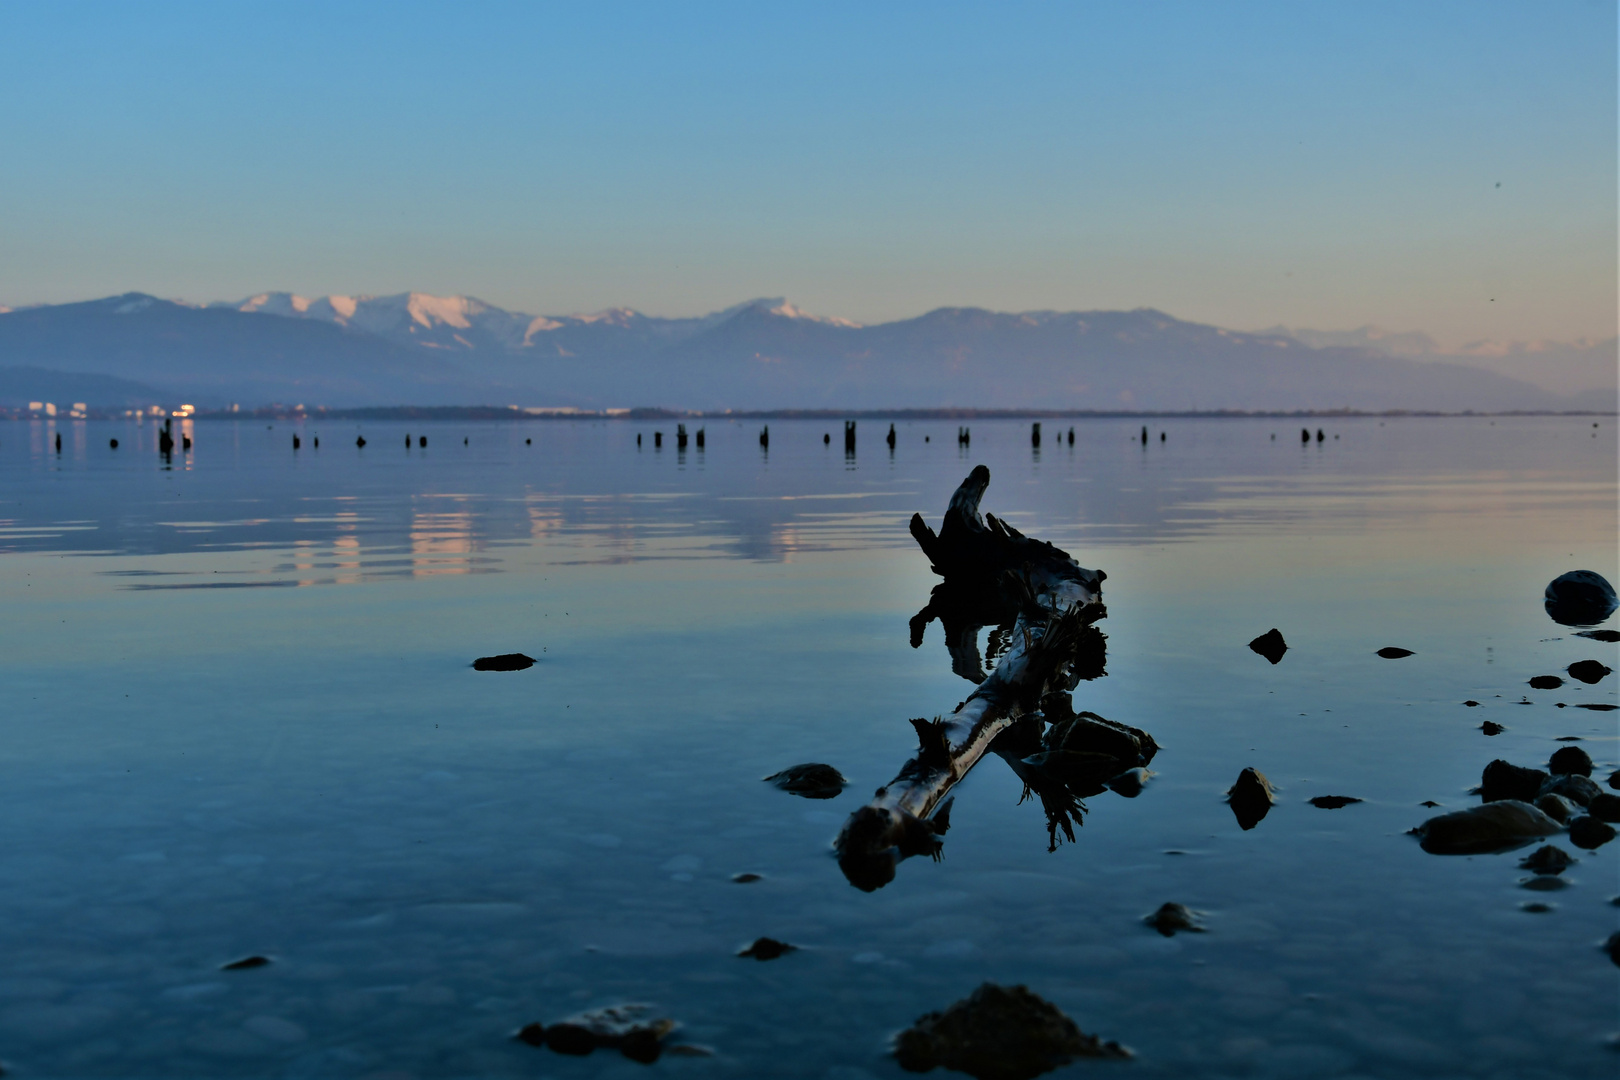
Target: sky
{"type": "Point", "coordinates": [1447, 167]}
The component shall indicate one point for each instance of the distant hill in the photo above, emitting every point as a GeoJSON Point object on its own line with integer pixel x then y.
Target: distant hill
{"type": "Point", "coordinates": [1561, 367]}
{"type": "Point", "coordinates": [414, 349]}
{"type": "Point", "coordinates": [212, 356]}
{"type": "Point", "coordinates": [20, 385]}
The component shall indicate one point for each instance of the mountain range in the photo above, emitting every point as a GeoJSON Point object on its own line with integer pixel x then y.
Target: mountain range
{"type": "Point", "coordinates": [416, 349]}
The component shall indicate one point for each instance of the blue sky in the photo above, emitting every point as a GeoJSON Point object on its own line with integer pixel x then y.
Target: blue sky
{"type": "Point", "coordinates": [1245, 164]}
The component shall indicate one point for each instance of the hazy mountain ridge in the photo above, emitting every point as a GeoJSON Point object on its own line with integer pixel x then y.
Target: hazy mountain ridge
{"type": "Point", "coordinates": [1561, 367]}
{"type": "Point", "coordinates": [416, 349]}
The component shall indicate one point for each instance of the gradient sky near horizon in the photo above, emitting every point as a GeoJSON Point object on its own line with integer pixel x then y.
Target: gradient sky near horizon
{"type": "Point", "coordinates": [1449, 167]}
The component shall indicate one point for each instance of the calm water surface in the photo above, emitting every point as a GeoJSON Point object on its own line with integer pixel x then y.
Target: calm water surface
{"type": "Point", "coordinates": [241, 720]}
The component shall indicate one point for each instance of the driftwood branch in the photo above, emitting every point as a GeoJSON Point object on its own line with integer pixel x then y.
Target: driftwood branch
{"type": "Point", "coordinates": [990, 567]}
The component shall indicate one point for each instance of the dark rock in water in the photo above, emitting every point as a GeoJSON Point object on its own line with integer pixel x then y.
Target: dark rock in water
{"type": "Point", "coordinates": [1614, 780]}
{"type": "Point", "coordinates": [768, 949]}
{"type": "Point", "coordinates": [1547, 859]}
{"type": "Point", "coordinates": [1588, 671]}
{"type": "Point", "coordinates": [1605, 807]}
{"type": "Point", "coordinates": [1088, 733]}
{"type": "Point", "coordinates": [245, 963]}
{"type": "Point", "coordinates": [998, 1033]}
{"type": "Point", "coordinates": [1545, 682]}
{"type": "Point", "coordinates": [746, 878]}
{"type": "Point", "coordinates": [1577, 789]}
{"type": "Point", "coordinates": [1597, 706]}
{"type": "Point", "coordinates": [1392, 652]}
{"type": "Point", "coordinates": [1567, 760]}
{"type": "Point", "coordinates": [1495, 826]}
{"type": "Point", "coordinates": [1612, 946]}
{"type": "Point", "coordinates": [813, 781]}
{"type": "Point", "coordinates": [1270, 645]}
{"type": "Point", "coordinates": [1173, 917]}
{"type": "Point", "coordinates": [1600, 635]}
{"type": "Point", "coordinates": [1429, 803]}
{"type": "Point", "coordinates": [630, 1029]}
{"type": "Point", "coordinates": [1250, 798]}
{"type": "Point", "coordinates": [1332, 802]}
{"type": "Point", "coordinates": [1502, 780]}
{"type": "Point", "coordinates": [571, 1039]}
{"type": "Point", "coordinates": [1536, 907]}
{"type": "Point", "coordinates": [1130, 782]}
{"type": "Point", "coordinates": [1556, 807]}
{"type": "Point", "coordinates": [1580, 598]}
{"type": "Point", "coordinates": [1491, 727]}
{"type": "Point", "coordinates": [641, 1045]}
{"type": "Point", "coordinates": [1543, 883]}
{"type": "Point", "coordinates": [514, 661]}
{"type": "Point", "coordinates": [1590, 833]}
{"type": "Point", "coordinates": [1471, 704]}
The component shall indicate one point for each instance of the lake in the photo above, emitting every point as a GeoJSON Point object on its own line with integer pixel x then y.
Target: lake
{"type": "Point", "coordinates": [242, 720]}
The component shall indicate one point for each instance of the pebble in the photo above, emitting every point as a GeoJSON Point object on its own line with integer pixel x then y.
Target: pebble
{"type": "Point", "coordinates": [1570, 760]}
{"type": "Point", "coordinates": [1604, 807]}
{"type": "Point", "coordinates": [630, 1029]}
{"type": "Point", "coordinates": [1173, 917]}
{"type": "Point", "coordinates": [998, 1033]}
{"type": "Point", "coordinates": [1472, 704]}
{"type": "Point", "coordinates": [1547, 859]}
{"type": "Point", "coordinates": [1579, 598]}
{"type": "Point", "coordinates": [246, 963]}
{"type": "Point", "coordinates": [812, 780]}
{"type": "Point", "coordinates": [1494, 826]}
{"type": "Point", "coordinates": [1546, 682]}
{"type": "Point", "coordinates": [1393, 652]}
{"type": "Point", "coordinates": [1555, 806]}
{"type": "Point", "coordinates": [1612, 946]}
{"type": "Point", "coordinates": [767, 949]}
{"type": "Point", "coordinates": [1270, 645]}
{"type": "Point", "coordinates": [1574, 787]}
{"type": "Point", "coordinates": [1504, 780]}
{"type": "Point", "coordinates": [746, 877]}
{"type": "Point", "coordinates": [1490, 727]}
{"type": "Point", "coordinates": [1589, 671]}
{"type": "Point", "coordinates": [1590, 833]}
{"type": "Point", "coordinates": [1600, 635]}
{"type": "Point", "coordinates": [1332, 802]}
{"type": "Point", "coordinates": [1251, 798]}
{"type": "Point", "coordinates": [514, 661]}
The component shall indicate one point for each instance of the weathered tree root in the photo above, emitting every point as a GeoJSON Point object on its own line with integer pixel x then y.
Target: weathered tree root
{"type": "Point", "coordinates": [987, 565]}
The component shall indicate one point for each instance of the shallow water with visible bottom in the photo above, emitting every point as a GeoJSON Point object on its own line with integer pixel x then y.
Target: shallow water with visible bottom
{"type": "Point", "coordinates": [241, 719]}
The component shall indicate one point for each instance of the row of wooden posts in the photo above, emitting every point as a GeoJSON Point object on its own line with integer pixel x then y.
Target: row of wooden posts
{"type": "Point", "coordinates": [964, 437]}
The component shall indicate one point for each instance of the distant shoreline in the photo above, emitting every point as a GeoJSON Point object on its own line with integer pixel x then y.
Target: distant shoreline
{"type": "Point", "coordinates": [514, 413]}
